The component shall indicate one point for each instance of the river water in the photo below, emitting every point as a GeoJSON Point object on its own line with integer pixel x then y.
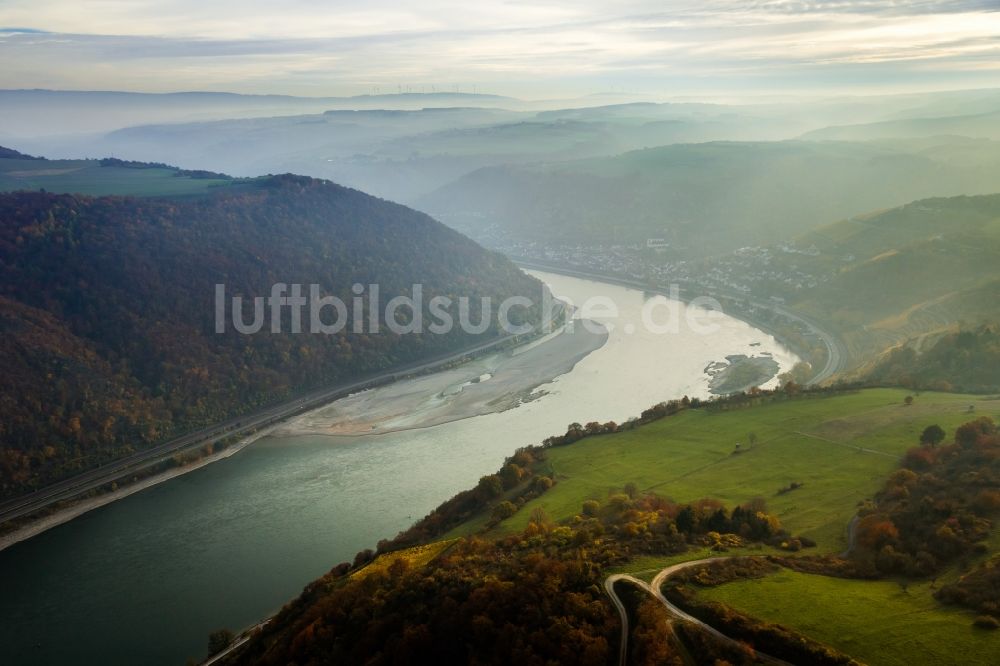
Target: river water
{"type": "Point", "coordinates": [144, 580]}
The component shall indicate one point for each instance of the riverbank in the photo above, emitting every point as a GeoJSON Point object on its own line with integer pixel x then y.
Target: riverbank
{"type": "Point", "coordinates": [82, 506]}
{"type": "Point", "coordinates": [463, 392]}
{"type": "Point", "coordinates": [487, 385]}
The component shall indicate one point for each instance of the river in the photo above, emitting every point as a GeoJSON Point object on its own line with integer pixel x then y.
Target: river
{"type": "Point", "coordinates": [144, 580]}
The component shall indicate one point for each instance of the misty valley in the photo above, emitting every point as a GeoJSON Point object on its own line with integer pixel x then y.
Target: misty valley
{"type": "Point", "coordinates": [418, 333]}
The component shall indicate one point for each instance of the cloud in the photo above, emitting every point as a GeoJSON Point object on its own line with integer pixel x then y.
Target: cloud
{"type": "Point", "coordinates": [21, 31]}
{"type": "Point", "coordinates": [326, 47]}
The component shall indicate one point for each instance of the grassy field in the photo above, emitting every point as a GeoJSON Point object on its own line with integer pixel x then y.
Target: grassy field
{"type": "Point", "coordinates": [814, 441]}
{"type": "Point", "coordinates": [89, 177]}
{"type": "Point", "coordinates": [876, 622]}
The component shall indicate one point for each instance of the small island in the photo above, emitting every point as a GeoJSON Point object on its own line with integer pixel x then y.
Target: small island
{"type": "Point", "coordinates": [740, 372]}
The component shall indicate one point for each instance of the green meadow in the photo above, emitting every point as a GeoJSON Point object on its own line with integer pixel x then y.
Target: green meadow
{"type": "Point", "coordinates": [841, 448]}
{"type": "Point", "coordinates": [876, 622]}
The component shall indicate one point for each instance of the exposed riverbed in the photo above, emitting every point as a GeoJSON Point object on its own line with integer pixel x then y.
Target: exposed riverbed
{"type": "Point", "coordinates": [143, 580]}
{"type": "Point", "coordinates": [495, 383]}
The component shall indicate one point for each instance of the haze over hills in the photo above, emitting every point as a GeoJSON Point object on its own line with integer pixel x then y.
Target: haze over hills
{"type": "Point", "coordinates": [38, 113]}
{"type": "Point", "coordinates": [936, 263]}
{"type": "Point", "coordinates": [108, 315]}
{"type": "Point", "coordinates": [903, 276]}
{"type": "Point", "coordinates": [708, 198]}
{"type": "Point", "coordinates": [984, 125]}
{"type": "Point", "coordinates": [405, 146]}
{"type": "Point", "coordinates": [403, 154]}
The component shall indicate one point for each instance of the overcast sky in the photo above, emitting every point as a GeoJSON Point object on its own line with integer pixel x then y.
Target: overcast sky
{"type": "Point", "coordinates": [532, 49]}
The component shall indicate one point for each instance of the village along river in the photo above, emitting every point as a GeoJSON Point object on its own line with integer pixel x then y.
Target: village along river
{"type": "Point", "coordinates": [145, 579]}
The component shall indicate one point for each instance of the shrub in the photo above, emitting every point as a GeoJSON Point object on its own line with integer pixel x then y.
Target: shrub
{"type": "Point", "coordinates": [933, 435]}
{"type": "Point", "coordinates": [504, 510]}
{"type": "Point", "coordinates": [986, 622]}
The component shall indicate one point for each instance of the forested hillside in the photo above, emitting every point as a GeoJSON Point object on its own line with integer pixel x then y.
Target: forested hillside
{"type": "Point", "coordinates": [107, 310]}
{"type": "Point", "coordinates": [532, 598]}
{"type": "Point", "coordinates": [966, 360]}
{"type": "Point", "coordinates": [890, 283]}
{"type": "Point", "coordinates": [905, 273]}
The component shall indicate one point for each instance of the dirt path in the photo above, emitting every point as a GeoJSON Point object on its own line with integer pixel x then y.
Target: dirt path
{"type": "Point", "coordinates": [860, 449]}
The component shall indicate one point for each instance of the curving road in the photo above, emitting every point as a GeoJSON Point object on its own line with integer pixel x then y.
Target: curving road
{"type": "Point", "coordinates": [836, 357]}
{"type": "Point", "coordinates": [677, 614]}
{"type": "Point", "coordinates": [609, 587]}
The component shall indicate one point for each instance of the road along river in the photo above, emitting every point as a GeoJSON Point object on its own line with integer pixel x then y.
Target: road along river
{"type": "Point", "coordinates": [144, 580]}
